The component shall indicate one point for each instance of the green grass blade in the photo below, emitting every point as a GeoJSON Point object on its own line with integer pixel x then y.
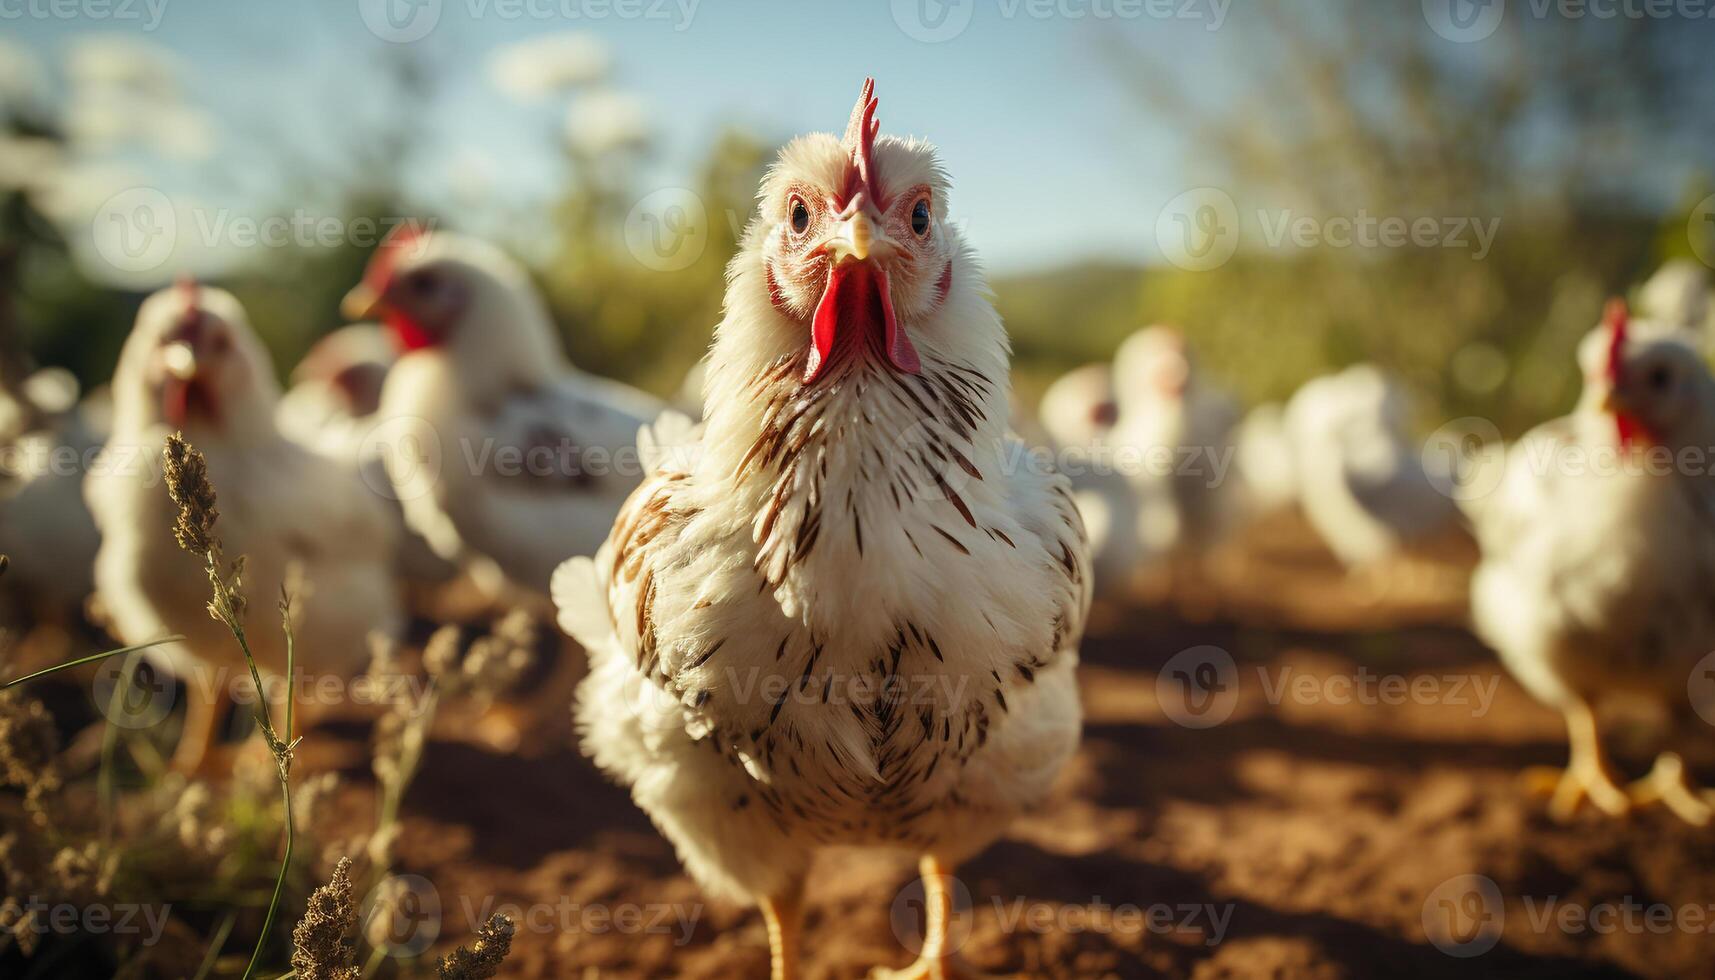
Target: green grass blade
{"type": "Point", "coordinates": [92, 658]}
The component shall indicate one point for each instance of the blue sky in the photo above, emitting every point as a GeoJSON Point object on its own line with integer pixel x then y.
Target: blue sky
{"type": "Point", "coordinates": [1051, 161]}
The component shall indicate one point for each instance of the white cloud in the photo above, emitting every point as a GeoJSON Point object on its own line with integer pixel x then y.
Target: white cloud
{"type": "Point", "coordinates": [606, 121]}
{"type": "Point", "coordinates": [109, 61]}
{"type": "Point", "coordinates": [22, 78]}
{"type": "Point", "coordinates": [529, 70]}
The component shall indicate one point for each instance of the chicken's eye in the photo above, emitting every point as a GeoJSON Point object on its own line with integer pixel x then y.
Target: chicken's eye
{"type": "Point", "coordinates": [425, 283]}
{"type": "Point", "coordinates": [1660, 378]}
{"type": "Point", "coordinates": [800, 215]}
{"type": "Point", "coordinates": [920, 217]}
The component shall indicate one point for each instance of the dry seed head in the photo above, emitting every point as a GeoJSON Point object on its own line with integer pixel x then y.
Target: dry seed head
{"type": "Point", "coordinates": [324, 944]}
{"type": "Point", "coordinates": [483, 959]}
{"type": "Point", "coordinates": [441, 653]}
{"type": "Point", "coordinates": [29, 747]}
{"type": "Point", "coordinates": [186, 473]}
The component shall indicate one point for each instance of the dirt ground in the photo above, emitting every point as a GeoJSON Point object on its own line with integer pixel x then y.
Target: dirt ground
{"type": "Point", "coordinates": [1345, 803]}
{"type": "Point", "coordinates": [1321, 830]}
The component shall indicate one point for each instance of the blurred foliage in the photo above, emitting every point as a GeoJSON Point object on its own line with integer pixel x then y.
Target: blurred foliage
{"type": "Point", "coordinates": [1566, 131]}
{"type": "Point", "coordinates": [627, 318]}
{"type": "Point", "coordinates": [1558, 128]}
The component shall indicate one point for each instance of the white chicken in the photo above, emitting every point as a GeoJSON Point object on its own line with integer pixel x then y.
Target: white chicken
{"type": "Point", "coordinates": [45, 528]}
{"type": "Point", "coordinates": [505, 457]}
{"type": "Point", "coordinates": [1363, 483]}
{"type": "Point", "coordinates": [1263, 458]}
{"type": "Point", "coordinates": [1598, 544]}
{"type": "Point", "coordinates": [1078, 413]}
{"type": "Point", "coordinates": [336, 388]}
{"type": "Point", "coordinates": [1678, 296]}
{"type": "Point", "coordinates": [1078, 409]}
{"type": "Point", "coordinates": [838, 612]}
{"type": "Point", "coordinates": [193, 364]}
{"type": "Point", "coordinates": [333, 407]}
{"type": "Point", "coordinates": [1173, 441]}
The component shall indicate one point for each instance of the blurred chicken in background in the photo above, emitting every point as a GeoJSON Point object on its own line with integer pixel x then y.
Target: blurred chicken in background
{"type": "Point", "coordinates": [1264, 463]}
{"type": "Point", "coordinates": [1678, 296]}
{"type": "Point", "coordinates": [1077, 413]}
{"type": "Point", "coordinates": [44, 525]}
{"type": "Point", "coordinates": [1173, 441]}
{"type": "Point", "coordinates": [506, 458]}
{"type": "Point", "coordinates": [332, 407]}
{"type": "Point", "coordinates": [1362, 481]}
{"type": "Point", "coordinates": [193, 364]}
{"type": "Point", "coordinates": [1598, 557]}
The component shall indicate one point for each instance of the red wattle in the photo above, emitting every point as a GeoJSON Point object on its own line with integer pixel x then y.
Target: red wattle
{"type": "Point", "coordinates": [858, 297]}
{"type": "Point", "coordinates": [176, 402]}
{"type": "Point", "coordinates": [824, 326]}
{"type": "Point", "coordinates": [410, 336]}
{"type": "Point", "coordinates": [182, 399]}
{"type": "Point", "coordinates": [1628, 429]}
{"type": "Point", "coordinates": [899, 349]}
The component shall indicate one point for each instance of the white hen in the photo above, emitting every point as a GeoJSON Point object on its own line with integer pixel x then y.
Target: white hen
{"type": "Point", "coordinates": [840, 613]}
{"type": "Point", "coordinates": [505, 457]}
{"type": "Point", "coordinates": [1678, 296]}
{"type": "Point", "coordinates": [45, 528]}
{"type": "Point", "coordinates": [1078, 413]}
{"type": "Point", "coordinates": [333, 407]}
{"type": "Point", "coordinates": [1174, 443]}
{"type": "Point", "coordinates": [193, 364]}
{"type": "Point", "coordinates": [1598, 543]}
{"type": "Point", "coordinates": [1363, 483]}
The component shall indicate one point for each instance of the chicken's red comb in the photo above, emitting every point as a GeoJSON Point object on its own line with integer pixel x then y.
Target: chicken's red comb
{"type": "Point", "coordinates": [859, 140]}
{"type": "Point", "coordinates": [186, 286]}
{"type": "Point", "coordinates": [1616, 319]}
{"type": "Point", "coordinates": [405, 236]}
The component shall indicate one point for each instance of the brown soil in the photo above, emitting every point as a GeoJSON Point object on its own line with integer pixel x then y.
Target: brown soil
{"type": "Point", "coordinates": [1310, 834]}
{"type": "Point", "coordinates": [1317, 832]}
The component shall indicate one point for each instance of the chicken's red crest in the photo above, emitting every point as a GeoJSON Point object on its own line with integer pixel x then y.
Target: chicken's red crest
{"type": "Point", "coordinates": [859, 141]}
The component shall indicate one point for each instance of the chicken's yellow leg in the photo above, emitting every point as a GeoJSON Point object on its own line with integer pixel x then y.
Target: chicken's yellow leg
{"type": "Point", "coordinates": [1586, 776]}
{"type": "Point", "coordinates": [937, 961]}
{"type": "Point", "coordinates": [784, 915]}
{"type": "Point", "coordinates": [1670, 785]}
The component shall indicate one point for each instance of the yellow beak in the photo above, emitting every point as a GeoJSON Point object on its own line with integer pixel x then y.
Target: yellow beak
{"type": "Point", "coordinates": [858, 238]}
{"type": "Point", "coordinates": [361, 303]}
{"type": "Point", "coordinates": [180, 360]}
